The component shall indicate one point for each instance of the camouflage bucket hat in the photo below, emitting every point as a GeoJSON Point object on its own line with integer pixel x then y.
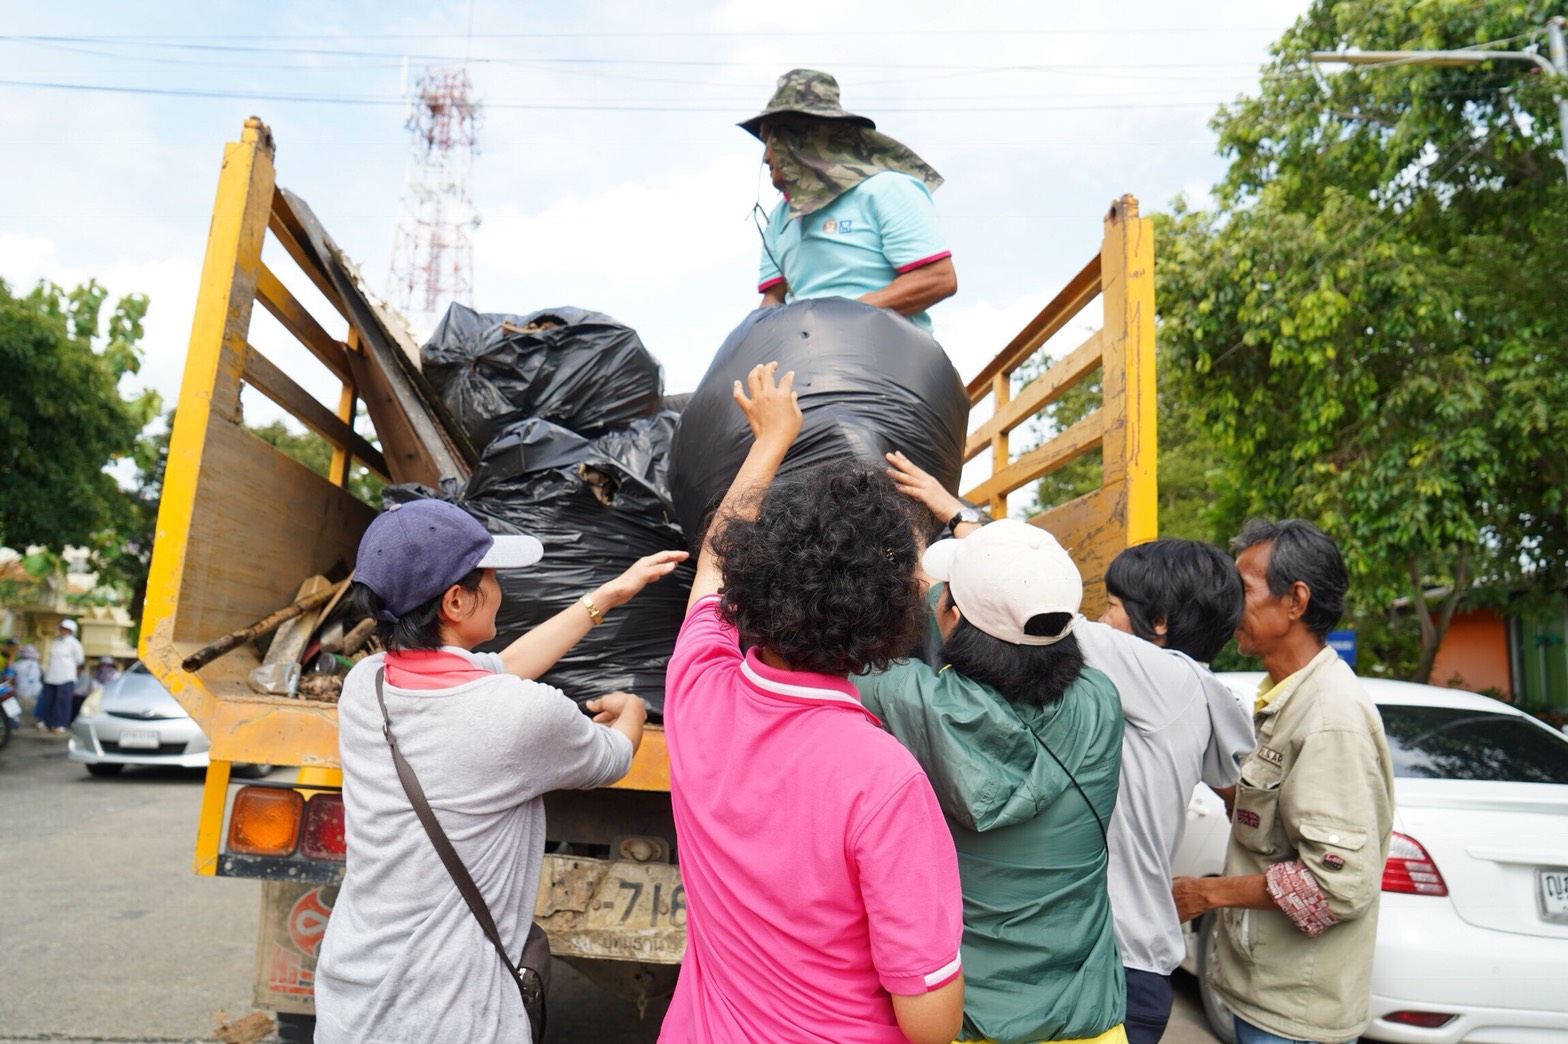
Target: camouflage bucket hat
{"type": "Point", "coordinates": [805, 92]}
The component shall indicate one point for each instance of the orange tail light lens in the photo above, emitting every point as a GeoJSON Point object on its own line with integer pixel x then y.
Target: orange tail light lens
{"type": "Point", "coordinates": [265, 821]}
{"type": "Point", "coordinates": [323, 838]}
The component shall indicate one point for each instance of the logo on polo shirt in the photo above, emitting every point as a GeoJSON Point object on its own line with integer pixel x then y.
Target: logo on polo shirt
{"type": "Point", "coordinates": [829, 226]}
{"type": "Point", "coordinates": [842, 227]}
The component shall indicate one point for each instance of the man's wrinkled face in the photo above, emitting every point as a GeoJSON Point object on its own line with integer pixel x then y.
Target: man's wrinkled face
{"type": "Point", "coordinates": [1267, 617]}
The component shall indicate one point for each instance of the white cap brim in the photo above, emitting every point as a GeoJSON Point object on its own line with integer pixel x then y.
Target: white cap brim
{"type": "Point", "coordinates": [512, 552]}
{"type": "Point", "coordinates": [938, 559]}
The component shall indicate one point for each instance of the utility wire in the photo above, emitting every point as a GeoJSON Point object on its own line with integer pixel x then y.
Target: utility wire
{"type": "Point", "coordinates": [552, 60]}
{"type": "Point", "coordinates": [1163, 102]}
{"type": "Point", "coordinates": [678, 34]}
{"type": "Point", "coordinates": [387, 100]}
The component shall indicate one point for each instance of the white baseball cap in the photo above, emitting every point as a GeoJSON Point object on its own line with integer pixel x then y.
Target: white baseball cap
{"type": "Point", "coordinates": [1005, 574]}
{"type": "Point", "coordinates": [69, 625]}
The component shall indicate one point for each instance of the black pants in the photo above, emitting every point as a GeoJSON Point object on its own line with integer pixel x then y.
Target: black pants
{"type": "Point", "coordinates": [1148, 1006]}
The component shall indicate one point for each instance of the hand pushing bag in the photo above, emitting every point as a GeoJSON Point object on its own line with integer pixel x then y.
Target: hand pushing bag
{"type": "Point", "coordinates": [869, 381]}
{"type": "Point", "coordinates": [597, 505]}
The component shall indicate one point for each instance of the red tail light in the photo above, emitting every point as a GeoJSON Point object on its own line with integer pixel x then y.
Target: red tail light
{"type": "Point", "coordinates": [1410, 870]}
{"type": "Point", "coordinates": [1424, 1019]}
{"type": "Point", "coordinates": [322, 837]}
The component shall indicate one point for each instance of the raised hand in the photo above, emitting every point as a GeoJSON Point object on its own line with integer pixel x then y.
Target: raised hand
{"type": "Point", "coordinates": [643, 572]}
{"type": "Point", "coordinates": [910, 479]}
{"type": "Point", "coordinates": [771, 408]}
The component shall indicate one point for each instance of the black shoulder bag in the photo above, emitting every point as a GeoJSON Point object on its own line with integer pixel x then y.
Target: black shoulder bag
{"type": "Point", "coordinates": [532, 973]}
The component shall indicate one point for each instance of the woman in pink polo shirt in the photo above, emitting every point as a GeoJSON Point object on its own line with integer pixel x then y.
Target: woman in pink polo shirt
{"type": "Point", "coordinates": [822, 887]}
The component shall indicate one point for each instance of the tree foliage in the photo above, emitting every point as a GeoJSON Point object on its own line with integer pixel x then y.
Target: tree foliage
{"type": "Point", "coordinates": [1369, 325]}
{"type": "Point", "coordinates": [62, 418]}
{"type": "Point", "coordinates": [122, 551]}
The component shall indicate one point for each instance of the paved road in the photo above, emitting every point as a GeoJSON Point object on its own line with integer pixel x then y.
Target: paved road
{"type": "Point", "coordinates": [106, 935]}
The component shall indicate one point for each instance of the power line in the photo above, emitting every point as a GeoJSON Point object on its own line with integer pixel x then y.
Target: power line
{"type": "Point", "coordinates": [1165, 101]}
{"type": "Point", "coordinates": [562, 60]}
{"type": "Point", "coordinates": [679, 34]}
{"type": "Point", "coordinates": [387, 100]}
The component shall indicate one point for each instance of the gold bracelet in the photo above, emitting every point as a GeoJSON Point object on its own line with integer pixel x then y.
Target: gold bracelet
{"type": "Point", "coordinates": [594, 613]}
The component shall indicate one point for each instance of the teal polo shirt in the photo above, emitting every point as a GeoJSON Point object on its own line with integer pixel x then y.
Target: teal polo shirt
{"type": "Point", "coordinates": [860, 242]}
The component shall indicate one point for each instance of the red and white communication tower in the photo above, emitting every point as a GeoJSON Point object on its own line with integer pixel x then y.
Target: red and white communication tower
{"type": "Point", "coordinates": [433, 252]}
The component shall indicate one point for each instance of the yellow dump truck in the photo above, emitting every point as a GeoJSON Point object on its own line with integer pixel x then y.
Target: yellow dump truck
{"type": "Point", "coordinates": [241, 524]}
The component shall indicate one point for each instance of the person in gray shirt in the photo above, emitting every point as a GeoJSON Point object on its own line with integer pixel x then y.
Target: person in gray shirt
{"type": "Point", "coordinates": [1171, 606]}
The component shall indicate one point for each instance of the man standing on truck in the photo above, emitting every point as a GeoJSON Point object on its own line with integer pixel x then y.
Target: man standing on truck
{"type": "Point", "coordinates": [1311, 814]}
{"type": "Point", "coordinates": [856, 219]}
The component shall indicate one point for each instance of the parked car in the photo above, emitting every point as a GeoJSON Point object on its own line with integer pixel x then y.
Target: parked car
{"type": "Point", "coordinates": [1472, 940]}
{"type": "Point", "coordinates": [134, 721]}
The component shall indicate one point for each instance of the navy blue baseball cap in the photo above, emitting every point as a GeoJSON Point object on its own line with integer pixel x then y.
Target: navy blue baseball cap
{"type": "Point", "coordinates": [413, 552]}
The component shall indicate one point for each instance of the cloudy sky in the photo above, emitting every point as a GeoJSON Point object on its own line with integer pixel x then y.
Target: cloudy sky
{"type": "Point", "coordinates": [610, 175]}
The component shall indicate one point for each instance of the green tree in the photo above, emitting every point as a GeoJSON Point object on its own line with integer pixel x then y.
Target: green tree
{"type": "Point", "coordinates": [122, 551]}
{"type": "Point", "coordinates": [62, 418]}
{"type": "Point", "coordinates": [1370, 322]}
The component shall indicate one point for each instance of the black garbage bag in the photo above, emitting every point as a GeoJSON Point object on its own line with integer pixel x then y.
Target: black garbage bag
{"type": "Point", "coordinates": [869, 382]}
{"type": "Point", "coordinates": [572, 367]}
{"type": "Point", "coordinates": [597, 506]}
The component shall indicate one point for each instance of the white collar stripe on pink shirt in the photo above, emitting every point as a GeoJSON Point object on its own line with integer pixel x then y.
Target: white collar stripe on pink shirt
{"type": "Point", "coordinates": [756, 672]}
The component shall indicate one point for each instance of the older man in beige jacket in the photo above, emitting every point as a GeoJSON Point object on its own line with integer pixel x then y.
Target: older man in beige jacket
{"type": "Point", "coordinates": [1311, 814]}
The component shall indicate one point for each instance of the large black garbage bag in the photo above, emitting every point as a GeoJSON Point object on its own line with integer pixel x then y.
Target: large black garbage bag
{"type": "Point", "coordinates": [597, 506]}
{"type": "Point", "coordinates": [869, 381]}
{"type": "Point", "coordinates": [576, 368]}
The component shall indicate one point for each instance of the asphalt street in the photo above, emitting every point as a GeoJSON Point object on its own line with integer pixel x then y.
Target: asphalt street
{"type": "Point", "coordinates": [107, 936]}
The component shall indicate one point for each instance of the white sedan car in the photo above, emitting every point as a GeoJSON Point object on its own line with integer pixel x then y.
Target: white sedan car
{"type": "Point", "coordinates": [1472, 940]}
{"type": "Point", "coordinates": [134, 721]}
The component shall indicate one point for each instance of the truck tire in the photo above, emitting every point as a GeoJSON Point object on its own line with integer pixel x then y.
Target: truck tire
{"type": "Point", "coordinates": [296, 1029]}
{"type": "Point", "coordinates": [1214, 1008]}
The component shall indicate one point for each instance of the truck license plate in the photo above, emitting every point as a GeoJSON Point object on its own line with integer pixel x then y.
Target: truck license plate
{"type": "Point", "coordinates": [1553, 894]}
{"type": "Point", "coordinates": [632, 895]}
{"type": "Point", "coordinates": [138, 739]}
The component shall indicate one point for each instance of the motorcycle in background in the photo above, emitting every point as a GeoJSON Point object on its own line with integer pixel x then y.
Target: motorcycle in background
{"type": "Point", "coordinates": [10, 712]}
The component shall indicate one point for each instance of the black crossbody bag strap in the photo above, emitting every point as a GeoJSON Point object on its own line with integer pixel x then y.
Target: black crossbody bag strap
{"type": "Point", "coordinates": [1104, 834]}
{"type": "Point", "coordinates": [529, 986]}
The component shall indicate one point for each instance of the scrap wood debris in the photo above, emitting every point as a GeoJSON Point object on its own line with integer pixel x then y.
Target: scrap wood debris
{"type": "Point", "coordinates": [247, 1030]}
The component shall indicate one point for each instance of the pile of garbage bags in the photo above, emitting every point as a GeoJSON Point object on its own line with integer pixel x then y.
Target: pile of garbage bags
{"type": "Point", "coordinates": [567, 405]}
{"type": "Point", "coordinates": [582, 450]}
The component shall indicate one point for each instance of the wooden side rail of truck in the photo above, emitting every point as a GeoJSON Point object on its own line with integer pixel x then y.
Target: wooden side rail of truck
{"type": "Point", "coordinates": [240, 524]}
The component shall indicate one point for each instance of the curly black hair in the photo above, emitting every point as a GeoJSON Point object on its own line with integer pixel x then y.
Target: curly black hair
{"type": "Point", "coordinates": [824, 577]}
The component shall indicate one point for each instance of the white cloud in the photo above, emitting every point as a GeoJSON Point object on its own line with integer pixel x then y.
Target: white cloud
{"type": "Point", "coordinates": [642, 214]}
{"type": "Point", "coordinates": [673, 256]}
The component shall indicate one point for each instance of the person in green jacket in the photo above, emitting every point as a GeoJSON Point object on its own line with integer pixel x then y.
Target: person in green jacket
{"type": "Point", "coordinates": [1022, 743]}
